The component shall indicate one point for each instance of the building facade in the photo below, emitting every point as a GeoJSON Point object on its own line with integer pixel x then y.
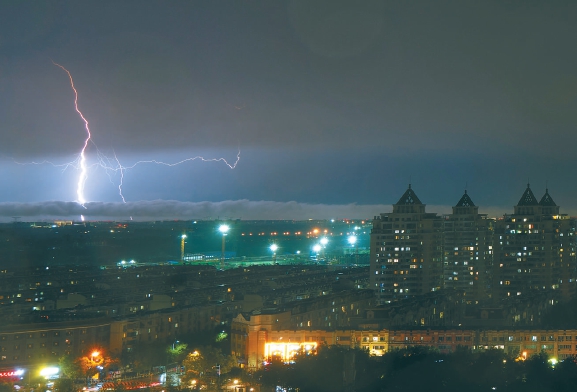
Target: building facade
{"type": "Point", "coordinates": [534, 249]}
{"type": "Point", "coordinates": [264, 345]}
{"type": "Point", "coordinates": [250, 331]}
{"type": "Point", "coordinates": [468, 250]}
{"type": "Point", "coordinates": [46, 343]}
{"type": "Point", "coordinates": [406, 251]}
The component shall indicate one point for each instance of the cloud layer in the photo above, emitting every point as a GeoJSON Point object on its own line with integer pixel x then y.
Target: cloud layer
{"type": "Point", "coordinates": [171, 209]}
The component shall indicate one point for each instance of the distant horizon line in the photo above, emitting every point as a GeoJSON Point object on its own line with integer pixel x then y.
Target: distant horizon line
{"type": "Point", "coordinates": [167, 210]}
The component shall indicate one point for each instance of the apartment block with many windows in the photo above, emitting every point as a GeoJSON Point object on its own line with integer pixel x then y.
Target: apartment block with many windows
{"type": "Point", "coordinates": [468, 250]}
{"type": "Point", "coordinates": [406, 250]}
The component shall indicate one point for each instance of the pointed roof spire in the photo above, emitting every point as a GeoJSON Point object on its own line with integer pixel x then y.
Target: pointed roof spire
{"type": "Point", "coordinates": [528, 198]}
{"type": "Point", "coordinates": [547, 200]}
{"type": "Point", "coordinates": [465, 201]}
{"type": "Point", "coordinates": [409, 198]}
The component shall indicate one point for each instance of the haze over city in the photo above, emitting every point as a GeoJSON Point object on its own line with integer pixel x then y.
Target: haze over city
{"type": "Point", "coordinates": [333, 106]}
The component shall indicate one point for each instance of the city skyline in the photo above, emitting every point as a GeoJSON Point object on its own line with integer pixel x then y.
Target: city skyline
{"type": "Point", "coordinates": [334, 107]}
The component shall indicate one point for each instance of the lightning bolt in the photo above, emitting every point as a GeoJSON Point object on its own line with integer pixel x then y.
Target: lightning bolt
{"type": "Point", "coordinates": [108, 164]}
{"type": "Point", "coordinates": [82, 156]}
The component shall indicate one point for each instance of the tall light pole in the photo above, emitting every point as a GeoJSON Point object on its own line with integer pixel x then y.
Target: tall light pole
{"type": "Point", "coordinates": [324, 242]}
{"type": "Point", "coordinates": [223, 229]}
{"type": "Point", "coordinates": [352, 241]}
{"type": "Point", "coordinates": [182, 239]}
{"type": "Point", "coordinates": [317, 248]}
{"type": "Point", "coordinates": [273, 248]}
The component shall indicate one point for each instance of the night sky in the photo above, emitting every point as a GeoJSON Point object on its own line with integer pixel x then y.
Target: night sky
{"type": "Point", "coordinates": [334, 106]}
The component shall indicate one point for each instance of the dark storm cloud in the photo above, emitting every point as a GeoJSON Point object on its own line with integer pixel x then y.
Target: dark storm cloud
{"type": "Point", "coordinates": [296, 72]}
{"type": "Point", "coordinates": [345, 100]}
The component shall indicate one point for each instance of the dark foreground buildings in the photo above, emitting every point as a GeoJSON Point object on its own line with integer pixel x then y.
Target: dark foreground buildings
{"type": "Point", "coordinates": [414, 252]}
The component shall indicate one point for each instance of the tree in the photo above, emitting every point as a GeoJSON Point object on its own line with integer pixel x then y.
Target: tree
{"type": "Point", "coordinates": [539, 372]}
{"type": "Point", "coordinates": [275, 373]}
{"type": "Point", "coordinates": [69, 368]}
{"type": "Point", "coordinates": [64, 385]}
{"type": "Point", "coordinates": [93, 362]}
{"type": "Point", "coordinates": [206, 365]}
{"type": "Point", "coordinates": [566, 375]}
{"type": "Point", "coordinates": [177, 351]}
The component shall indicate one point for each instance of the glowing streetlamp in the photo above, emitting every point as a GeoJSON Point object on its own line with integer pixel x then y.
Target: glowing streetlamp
{"type": "Point", "coordinates": [182, 241]}
{"type": "Point", "coordinates": [223, 229]}
{"type": "Point", "coordinates": [352, 240]}
{"type": "Point", "coordinates": [273, 248]}
{"type": "Point", "coordinates": [92, 364]}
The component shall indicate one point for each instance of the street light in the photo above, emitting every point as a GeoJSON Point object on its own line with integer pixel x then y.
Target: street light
{"type": "Point", "coordinates": [273, 248]}
{"type": "Point", "coordinates": [95, 362]}
{"type": "Point", "coordinates": [182, 240]}
{"type": "Point", "coordinates": [223, 229]}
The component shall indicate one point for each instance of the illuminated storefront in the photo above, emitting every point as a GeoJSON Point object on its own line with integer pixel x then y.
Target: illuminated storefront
{"type": "Point", "coordinates": [286, 351]}
{"type": "Point", "coordinates": [8, 375]}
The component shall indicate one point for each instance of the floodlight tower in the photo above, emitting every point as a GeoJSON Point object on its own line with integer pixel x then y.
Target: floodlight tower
{"type": "Point", "coordinates": [273, 248]}
{"type": "Point", "coordinates": [317, 248]}
{"type": "Point", "coordinates": [223, 229]}
{"type": "Point", "coordinates": [182, 240]}
{"type": "Point", "coordinates": [324, 242]}
{"type": "Point", "coordinates": [352, 241]}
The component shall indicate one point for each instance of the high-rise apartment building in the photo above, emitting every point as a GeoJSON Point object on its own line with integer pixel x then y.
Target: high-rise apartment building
{"type": "Point", "coordinates": [406, 250]}
{"type": "Point", "coordinates": [467, 245]}
{"type": "Point", "coordinates": [414, 252]}
{"type": "Point", "coordinates": [534, 248]}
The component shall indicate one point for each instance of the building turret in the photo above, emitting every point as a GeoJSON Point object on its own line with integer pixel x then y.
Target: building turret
{"type": "Point", "coordinates": [548, 206]}
{"type": "Point", "coordinates": [409, 203]}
